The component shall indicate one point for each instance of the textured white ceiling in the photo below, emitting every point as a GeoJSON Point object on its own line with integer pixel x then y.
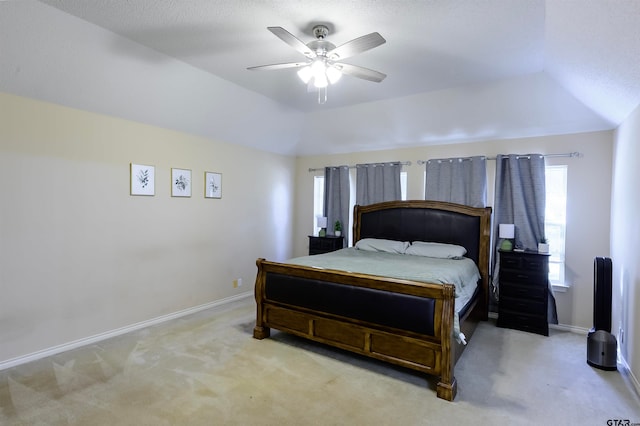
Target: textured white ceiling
{"type": "Point", "coordinates": [593, 51]}
{"type": "Point", "coordinates": [458, 70]}
{"type": "Point", "coordinates": [431, 45]}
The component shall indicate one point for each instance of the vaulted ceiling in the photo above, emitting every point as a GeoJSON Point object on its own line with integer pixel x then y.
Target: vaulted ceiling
{"type": "Point", "coordinates": [457, 70]}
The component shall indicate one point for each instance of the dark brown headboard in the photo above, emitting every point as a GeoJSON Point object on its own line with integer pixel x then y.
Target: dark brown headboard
{"type": "Point", "coordinates": [433, 221]}
{"type": "Point", "coordinates": [422, 221]}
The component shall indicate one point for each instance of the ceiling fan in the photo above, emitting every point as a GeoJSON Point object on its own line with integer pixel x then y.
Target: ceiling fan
{"type": "Point", "coordinates": [323, 64]}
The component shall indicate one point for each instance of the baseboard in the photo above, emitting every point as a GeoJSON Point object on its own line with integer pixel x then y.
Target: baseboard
{"type": "Point", "coordinates": [571, 328]}
{"type": "Point", "coordinates": [628, 374]}
{"type": "Point", "coordinates": [561, 327]}
{"type": "Point", "coordinates": [113, 333]}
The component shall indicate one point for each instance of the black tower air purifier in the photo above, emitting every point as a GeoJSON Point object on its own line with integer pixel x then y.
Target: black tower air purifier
{"type": "Point", "coordinates": [602, 347]}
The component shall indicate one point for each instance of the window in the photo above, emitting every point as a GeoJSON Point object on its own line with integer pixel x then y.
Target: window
{"type": "Point", "coordinates": [403, 185]}
{"type": "Point", "coordinates": [555, 220]}
{"type": "Point", "coordinates": [318, 201]}
{"type": "Point", "coordinates": [318, 196]}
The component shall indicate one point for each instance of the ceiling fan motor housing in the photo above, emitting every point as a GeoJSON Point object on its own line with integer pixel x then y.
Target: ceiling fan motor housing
{"type": "Point", "coordinates": [320, 31]}
{"type": "Point", "coordinates": [321, 47]}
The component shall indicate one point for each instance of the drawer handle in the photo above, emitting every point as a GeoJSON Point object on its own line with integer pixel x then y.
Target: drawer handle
{"type": "Point", "coordinates": [524, 292]}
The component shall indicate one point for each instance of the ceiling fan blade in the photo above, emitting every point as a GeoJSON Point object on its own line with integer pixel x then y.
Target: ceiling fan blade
{"type": "Point", "coordinates": [360, 72]}
{"type": "Point", "coordinates": [355, 46]}
{"type": "Point", "coordinates": [279, 66]}
{"type": "Point", "coordinates": [292, 41]}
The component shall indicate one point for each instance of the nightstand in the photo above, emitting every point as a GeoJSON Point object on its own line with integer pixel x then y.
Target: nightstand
{"type": "Point", "coordinates": [524, 291]}
{"type": "Point", "coordinates": [319, 245]}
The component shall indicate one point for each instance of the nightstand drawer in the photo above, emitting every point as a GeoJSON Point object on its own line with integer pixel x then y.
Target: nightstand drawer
{"type": "Point", "coordinates": [524, 322]}
{"type": "Point", "coordinates": [524, 277]}
{"type": "Point", "coordinates": [521, 291]}
{"type": "Point", "coordinates": [323, 243]}
{"type": "Point", "coordinates": [510, 262]}
{"type": "Point", "coordinates": [538, 264]}
{"type": "Point", "coordinates": [526, 306]}
{"type": "Point", "coordinates": [525, 263]}
{"type": "Point", "coordinates": [319, 245]}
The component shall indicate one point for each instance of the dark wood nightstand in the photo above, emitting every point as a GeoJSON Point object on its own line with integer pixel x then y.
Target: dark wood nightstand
{"type": "Point", "coordinates": [524, 291]}
{"type": "Point", "coordinates": [319, 245]}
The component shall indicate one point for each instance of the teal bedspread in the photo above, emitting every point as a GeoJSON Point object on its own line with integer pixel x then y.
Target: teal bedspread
{"type": "Point", "coordinates": [459, 272]}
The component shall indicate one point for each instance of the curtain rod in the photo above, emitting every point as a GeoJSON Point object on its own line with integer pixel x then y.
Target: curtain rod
{"type": "Point", "coordinates": [320, 169]}
{"type": "Point", "coordinates": [567, 154]}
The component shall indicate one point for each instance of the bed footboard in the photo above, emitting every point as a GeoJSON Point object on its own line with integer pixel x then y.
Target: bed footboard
{"type": "Point", "coordinates": [419, 338]}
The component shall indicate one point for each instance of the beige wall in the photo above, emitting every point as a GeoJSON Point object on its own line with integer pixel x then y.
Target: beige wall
{"type": "Point", "coordinates": [625, 242]}
{"type": "Point", "coordinates": [588, 204]}
{"type": "Point", "coordinates": [79, 256]}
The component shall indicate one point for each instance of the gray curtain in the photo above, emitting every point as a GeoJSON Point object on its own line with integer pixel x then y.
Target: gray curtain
{"type": "Point", "coordinates": [520, 195]}
{"type": "Point", "coordinates": [336, 197]}
{"type": "Point", "coordinates": [377, 182]}
{"type": "Point", "coordinates": [457, 180]}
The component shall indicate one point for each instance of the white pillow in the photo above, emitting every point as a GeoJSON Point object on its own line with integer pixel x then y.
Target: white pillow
{"type": "Point", "coordinates": [439, 250]}
{"type": "Point", "coordinates": [387, 246]}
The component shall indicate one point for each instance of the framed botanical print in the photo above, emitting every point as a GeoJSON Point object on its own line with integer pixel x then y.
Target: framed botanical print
{"type": "Point", "coordinates": [180, 183]}
{"type": "Point", "coordinates": [143, 179]}
{"type": "Point", "coordinates": [212, 185]}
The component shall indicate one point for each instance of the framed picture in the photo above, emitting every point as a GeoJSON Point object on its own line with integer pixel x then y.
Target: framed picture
{"type": "Point", "coordinates": [212, 185]}
{"type": "Point", "coordinates": [180, 183]}
{"type": "Point", "coordinates": [143, 179]}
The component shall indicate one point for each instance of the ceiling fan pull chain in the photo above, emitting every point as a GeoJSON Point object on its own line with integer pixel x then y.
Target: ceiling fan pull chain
{"type": "Point", "coordinates": [322, 95]}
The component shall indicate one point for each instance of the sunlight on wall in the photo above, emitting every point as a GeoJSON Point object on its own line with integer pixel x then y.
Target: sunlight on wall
{"type": "Point", "coordinates": [280, 220]}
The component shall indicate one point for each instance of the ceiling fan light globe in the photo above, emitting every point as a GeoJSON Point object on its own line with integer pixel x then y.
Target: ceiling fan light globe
{"type": "Point", "coordinates": [305, 74]}
{"type": "Point", "coordinates": [333, 75]}
{"type": "Point", "coordinates": [320, 81]}
{"type": "Point", "coordinates": [318, 67]}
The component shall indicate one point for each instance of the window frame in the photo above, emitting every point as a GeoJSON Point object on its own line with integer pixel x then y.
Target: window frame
{"type": "Point", "coordinates": [318, 201]}
{"type": "Point", "coordinates": [557, 258]}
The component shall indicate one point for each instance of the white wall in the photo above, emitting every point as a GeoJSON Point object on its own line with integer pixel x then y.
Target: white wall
{"type": "Point", "coordinates": [588, 204]}
{"type": "Point", "coordinates": [79, 256]}
{"type": "Point", "coordinates": [625, 242]}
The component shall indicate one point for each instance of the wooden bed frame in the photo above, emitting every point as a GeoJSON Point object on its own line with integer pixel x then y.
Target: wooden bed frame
{"type": "Point", "coordinates": [432, 353]}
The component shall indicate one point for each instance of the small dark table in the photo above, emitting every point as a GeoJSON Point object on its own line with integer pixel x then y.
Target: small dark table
{"type": "Point", "coordinates": [319, 245]}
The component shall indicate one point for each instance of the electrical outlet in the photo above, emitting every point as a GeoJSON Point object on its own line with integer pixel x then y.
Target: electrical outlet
{"type": "Point", "coordinates": [621, 334]}
{"type": "Point", "coordinates": [237, 282]}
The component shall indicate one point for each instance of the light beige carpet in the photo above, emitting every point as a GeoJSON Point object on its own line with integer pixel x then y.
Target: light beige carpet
{"type": "Point", "coordinates": [206, 369]}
